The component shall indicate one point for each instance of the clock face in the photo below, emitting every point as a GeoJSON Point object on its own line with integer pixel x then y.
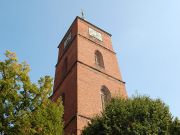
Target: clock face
{"type": "Point", "coordinates": [95, 34]}
{"type": "Point", "coordinates": [67, 40]}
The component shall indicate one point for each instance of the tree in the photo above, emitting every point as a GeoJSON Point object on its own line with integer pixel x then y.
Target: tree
{"type": "Point", "coordinates": [175, 128]}
{"type": "Point", "coordinates": [139, 115]}
{"type": "Point", "coordinates": [25, 107]}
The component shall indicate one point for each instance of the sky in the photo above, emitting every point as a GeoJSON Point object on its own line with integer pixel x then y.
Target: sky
{"type": "Point", "coordinates": [145, 36]}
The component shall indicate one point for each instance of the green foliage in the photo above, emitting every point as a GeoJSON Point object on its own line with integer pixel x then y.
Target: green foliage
{"type": "Point", "coordinates": [139, 115]}
{"type": "Point", "coordinates": [25, 107]}
{"type": "Point", "coordinates": [175, 127]}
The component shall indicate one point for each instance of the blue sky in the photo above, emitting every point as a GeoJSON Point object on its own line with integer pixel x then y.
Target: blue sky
{"type": "Point", "coordinates": [145, 35]}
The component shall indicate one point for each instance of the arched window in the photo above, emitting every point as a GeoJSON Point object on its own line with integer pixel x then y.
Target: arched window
{"type": "Point", "coordinates": [105, 96]}
{"type": "Point", "coordinates": [99, 59]}
{"type": "Point", "coordinates": [64, 67]}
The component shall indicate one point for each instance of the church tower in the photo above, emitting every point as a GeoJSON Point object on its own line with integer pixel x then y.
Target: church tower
{"type": "Point", "coordinates": [87, 74]}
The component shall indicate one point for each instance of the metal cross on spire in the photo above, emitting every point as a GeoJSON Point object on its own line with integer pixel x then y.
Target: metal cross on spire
{"type": "Point", "coordinates": [82, 14]}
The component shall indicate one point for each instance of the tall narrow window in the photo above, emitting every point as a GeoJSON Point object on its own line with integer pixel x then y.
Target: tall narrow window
{"type": "Point", "coordinates": [99, 59]}
{"type": "Point", "coordinates": [63, 99]}
{"type": "Point", "coordinates": [105, 96]}
{"type": "Point", "coordinates": [64, 67]}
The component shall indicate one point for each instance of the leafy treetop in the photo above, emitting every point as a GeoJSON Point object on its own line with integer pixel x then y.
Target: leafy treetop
{"type": "Point", "coordinates": [25, 106]}
{"type": "Point", "coordinates": [139, 115]}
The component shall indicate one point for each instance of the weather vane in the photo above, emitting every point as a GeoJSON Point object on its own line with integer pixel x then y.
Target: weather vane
{"type": "Point", "coordinates": [82, 14]}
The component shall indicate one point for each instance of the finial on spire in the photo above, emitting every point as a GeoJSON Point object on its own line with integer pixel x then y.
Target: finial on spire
{"type": "Point", "coordinates": [82, 14]}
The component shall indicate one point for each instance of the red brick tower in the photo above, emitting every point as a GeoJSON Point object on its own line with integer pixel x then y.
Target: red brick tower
{"type": "Point", "coordinates": [87, 74]}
